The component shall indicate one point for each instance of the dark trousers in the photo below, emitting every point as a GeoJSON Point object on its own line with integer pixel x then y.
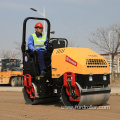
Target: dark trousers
{"type": "Point", "coordinates": [40, 57]}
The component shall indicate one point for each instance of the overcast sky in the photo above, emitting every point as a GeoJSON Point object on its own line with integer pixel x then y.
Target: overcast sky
{"type": "Point", "coordinates": [71, 19]}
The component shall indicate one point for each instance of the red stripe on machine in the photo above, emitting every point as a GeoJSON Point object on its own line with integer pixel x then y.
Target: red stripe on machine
{"type": "Point", "coordinates": [71, 61]}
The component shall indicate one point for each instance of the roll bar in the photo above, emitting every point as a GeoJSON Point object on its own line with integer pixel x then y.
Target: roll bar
{"type": "Point", "coordinates": [23, 47]}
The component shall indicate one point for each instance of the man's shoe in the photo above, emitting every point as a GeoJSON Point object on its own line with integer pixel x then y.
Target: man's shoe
{"type": "Point", "coordinates": [42, 73]}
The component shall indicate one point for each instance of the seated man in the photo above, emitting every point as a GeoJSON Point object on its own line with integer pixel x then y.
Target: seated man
{"type": "Point", "coordinates": [36, 43]}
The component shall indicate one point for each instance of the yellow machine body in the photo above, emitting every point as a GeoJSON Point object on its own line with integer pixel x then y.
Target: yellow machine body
{"type": "Point", "coordinates": [5, 76]}
{"type": "Point", "coordinates": [78, 60]}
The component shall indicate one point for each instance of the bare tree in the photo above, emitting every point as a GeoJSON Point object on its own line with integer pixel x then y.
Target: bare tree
{"type": "Point", "coordinates": [100, 38]}
{"type": "Point", "coordinates": [8, 54]}
{"type": "Point", "coordinates": [12, 54]}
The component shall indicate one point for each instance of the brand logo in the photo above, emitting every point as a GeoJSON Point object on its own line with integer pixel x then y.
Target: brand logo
{"type": "Point", "coordinates": [71, 61]}
{"type": "Point", "coordinates": [26, 58]}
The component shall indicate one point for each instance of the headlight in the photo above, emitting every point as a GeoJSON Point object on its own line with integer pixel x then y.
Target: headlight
{"type": "Point", "coordinates": [104, 78]}
{"type": "Point", "coordinates": [90, 78]}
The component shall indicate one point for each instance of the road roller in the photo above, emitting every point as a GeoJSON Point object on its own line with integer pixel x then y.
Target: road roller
{"type": "Point", "coordinates": [76, 76]}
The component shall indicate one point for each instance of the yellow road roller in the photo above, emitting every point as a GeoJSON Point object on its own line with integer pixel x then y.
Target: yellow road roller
{"type": "Point", "coordinates": [76, 76]}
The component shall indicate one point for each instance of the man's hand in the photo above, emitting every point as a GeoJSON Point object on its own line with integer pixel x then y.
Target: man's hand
{"type": "Point", "coordinates": [34, 50]}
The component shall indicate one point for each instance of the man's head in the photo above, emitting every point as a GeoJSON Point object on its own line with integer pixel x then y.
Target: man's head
{"type": "Point", "coordinates": [38, 28]}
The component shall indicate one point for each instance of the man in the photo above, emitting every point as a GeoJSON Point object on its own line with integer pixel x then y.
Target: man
{"type": "Point", "coordinates": [36, 43]}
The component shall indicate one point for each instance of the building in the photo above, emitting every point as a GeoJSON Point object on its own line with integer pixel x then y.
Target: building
{"type": "Point", "coordinates": [116, 62]}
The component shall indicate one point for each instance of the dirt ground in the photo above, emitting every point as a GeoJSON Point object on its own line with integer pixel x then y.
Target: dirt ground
{"type": "Point", "coordinates": [115, 83]}
{"type": "Point", "coordinates": [13, 107]}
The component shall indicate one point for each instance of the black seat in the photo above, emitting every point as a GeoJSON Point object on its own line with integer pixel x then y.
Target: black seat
{"type": "Point", "coordinates": [30, 64]}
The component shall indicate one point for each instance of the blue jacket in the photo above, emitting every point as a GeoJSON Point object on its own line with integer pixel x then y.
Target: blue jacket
{"type": "Point", "coordinates": [31, 43]}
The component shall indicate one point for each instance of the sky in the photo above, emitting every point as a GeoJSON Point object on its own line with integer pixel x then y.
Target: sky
{"type": "Point", "coordinates": [74, 20]}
